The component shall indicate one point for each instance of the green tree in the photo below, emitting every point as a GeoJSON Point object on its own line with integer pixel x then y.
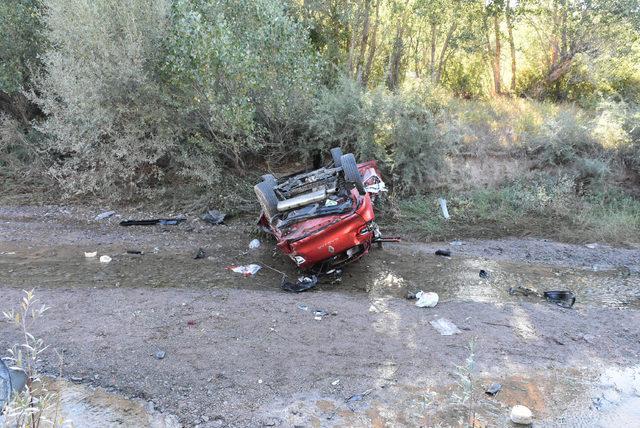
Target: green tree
{"type": "Point", "coordinates": [21, 43]}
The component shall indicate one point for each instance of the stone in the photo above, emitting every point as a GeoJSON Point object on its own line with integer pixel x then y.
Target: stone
{"type": "Point", "coordinates": [521, 415]}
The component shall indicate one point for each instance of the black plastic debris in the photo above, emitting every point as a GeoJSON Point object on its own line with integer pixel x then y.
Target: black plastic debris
{"type": "Point", "coordinates": [303, 283]}
{"type": "Point", "coordinates": [445, 253]}
{"type": "Point", "coordinates": [153, 222]}
{"type": "Point", "coordinates": [136, 252]}
{"type": "Point", "coordinates": [563, 298]}
{"type": "Point", "coordinates": [484, 274]}
{"type": "Point", "coordinates": [200, 254]}
{"type": "Point", "coordinates": [493, 389]}
{"type": "Point", "coordinates": [411, 295]}
{"type": "Point", "coordinates": [213, 217]}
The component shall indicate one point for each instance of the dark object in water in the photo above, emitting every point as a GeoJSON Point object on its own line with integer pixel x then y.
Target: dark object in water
{"type": "Point", "coordinates": [484, 274]}
{"type": "Point", "coordinates": [563, 298]}
{"type": "Point", "coordinates": [302, 284]}
{"type": "Point", "coordinates": [446, 253]}
{"type": "Point", "coordinates": [493, 389]}
{"type": "Point", "coordinates": [200, 254]}
{"type": "Point", "coordinates": [213, 217]}
{"type": "Point", "coordinates": [152, 222]}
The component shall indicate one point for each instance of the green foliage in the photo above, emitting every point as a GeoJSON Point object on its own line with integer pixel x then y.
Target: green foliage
{"type": "Point", "coordinates": [419, 146]}
{"type": "Point", "coordinates": [540, 204]}
{"type": "Point", "coordinates": [20, 44]}
{"type": "Point", "coordinates": [245, 73]}
{"type": "Point", "coordinates": [349, 117]}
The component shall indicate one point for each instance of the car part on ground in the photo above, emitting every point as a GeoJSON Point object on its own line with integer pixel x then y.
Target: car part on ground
{"type": "Point", "coordinates": [323, 218]}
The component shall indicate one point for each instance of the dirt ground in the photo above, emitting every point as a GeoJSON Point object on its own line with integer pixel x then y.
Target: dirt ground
{"type": "Point", "coordinates": [241, 352]}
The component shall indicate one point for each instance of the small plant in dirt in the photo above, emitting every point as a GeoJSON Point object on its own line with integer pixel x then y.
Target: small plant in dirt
{"type": "Point", "coordinates": [34, 406]}
{"type": "Point", "coordinates": [466, 383]}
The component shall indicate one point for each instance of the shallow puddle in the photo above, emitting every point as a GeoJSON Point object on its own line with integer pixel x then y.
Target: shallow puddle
{"type": "Point", "coordinates": [82, 406]}
{"type": "Point", "coordinates": [606, 398]}
{"type": "Point", "coordinates": [393, 271]}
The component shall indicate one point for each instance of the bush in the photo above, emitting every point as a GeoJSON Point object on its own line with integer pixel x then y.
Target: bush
{"type": "Point", "coordinates": [108, 119]}
{"type": "Point", "coordinates": [349, 117]}
{"type": "Point", "coordinates": [245, 75]}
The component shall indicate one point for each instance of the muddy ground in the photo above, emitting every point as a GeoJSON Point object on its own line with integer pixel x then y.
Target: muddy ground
{"type": "Point", "coordinates": [241, 352]}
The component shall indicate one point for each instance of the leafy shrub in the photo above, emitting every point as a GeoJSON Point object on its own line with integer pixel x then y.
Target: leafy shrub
{"type": "Point", "coordinates": [107, 117]}
{"type": "Point", "coordinates": [245, 75]}
{"type": "Point", "coordinates": [563, 138]}
{"type": "Point", "coordinates": [349, 117]}
{"type": "Point", "coordinates": [418, 144]}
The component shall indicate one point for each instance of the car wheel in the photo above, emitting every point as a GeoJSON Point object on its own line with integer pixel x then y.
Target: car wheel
{"type": "Point", "coordinates": [351, 172]}
{"type": "Point", "coordinates": [267, 198]}
{"type": "Point", "coordinates": [336, 155]}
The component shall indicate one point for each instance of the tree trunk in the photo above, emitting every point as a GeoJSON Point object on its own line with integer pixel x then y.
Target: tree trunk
{"type": "Point", "coordinates": [497, 80]}
{"type": "Point", "coordinates": [372, 47]}
{"type": "Point", "coordinates": [363, 40]}
{"type": "Point", "coordinates": [512, 46]}
{"type": "Point", "coordinates": [443, 52]}
{"type": "Point", "coordinates": [352, 48]}
{"type": "Point", "coordinates": [432, 61]}
{"type": "Point", "coordinates": [393, 71]}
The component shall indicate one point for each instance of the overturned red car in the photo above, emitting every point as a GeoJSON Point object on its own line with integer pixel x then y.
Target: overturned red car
{"type": "Point", "coordinates": [324, 218]}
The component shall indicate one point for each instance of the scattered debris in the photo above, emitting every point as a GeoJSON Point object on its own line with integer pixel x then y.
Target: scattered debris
{"type": "Point", "coordinates": [443, 207]}
{"type": "Point", "coordinates": [426, 300]}
{"type": "Point", "coordinates": [213, 217]}
{"type": "Point", "coordinates": [12, 381]}
{"type": "Point", "coordinates": [456, 243]}
{"type": "Point", "coordinates": [105, 259]}
{"type": "Point", "coordinates": [484, 274]}
{"type": "Point", "coordinates": [563, 298]}
{"type": "Point", "coordinates": [519, 289]}
{"type": "Point", "coordinates": [104, 215]}
{"type": "Point", "coordinates": [136, 252]}
{"type": "Point", "coordinates": [201, 254]}
{"type": "Point", "coordinates": [521, 415]}
{"type": "Point", "coordinates": [493, 389]}
{"type": "Point", "coordinates": [152, 222]}
{"type": "Point", "coordinates": [191, 323]}
{"type": "Point", "coordinates": [445, 327]}
{"type": "Point", "coordinates": [335, 382]}
{"type": "Point", "coordinates": [254, 244]}
{"type": "Point", "coordinates": [591, 246]}
{"type": "Point", "coordinates": [303, 307]}
{"type": "Point", "coordinates": [319, 313]}
{"type": "Point", "coordinates": [160, 354]}
{"type": "Point", "coordinates": [248, 270]}
{"type": "Point", "coordinates": [90, 255]}
{"type": "Point", "coordinates": [445, 253]}
{"type": "Point", "coordinates": [303, 283]}
{"type": "Point", "coordinates": [76, 379]}
{"type": "Point", "coordinates": [330, 203]}
{"type": "Point", "coordinates": [357, 397]}
{"type": "Point", "coordinates": [412, 295]}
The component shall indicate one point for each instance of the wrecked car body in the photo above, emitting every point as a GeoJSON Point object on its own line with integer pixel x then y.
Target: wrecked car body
{"type": "Point", "coordinates": [324, 218]}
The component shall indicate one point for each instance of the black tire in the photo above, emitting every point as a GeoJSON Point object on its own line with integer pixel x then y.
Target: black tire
{"type": "Point", "coordinates": [351, 173]}
{"type": "Point", "coordinates": [336, 155]}
{"type": "Point", "coordinates": [267, 198]}
{"type": "Point", "coordinates": [270, 178]}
